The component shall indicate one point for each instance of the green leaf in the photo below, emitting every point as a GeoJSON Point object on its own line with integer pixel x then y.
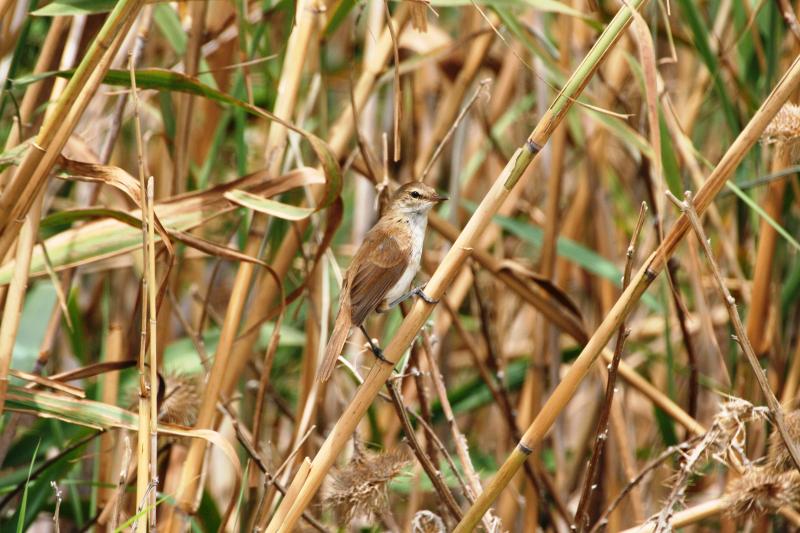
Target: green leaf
{"type": "Point", "coordinates": [267, 206]}
{"type": "Point", "coordinates": [61, 218]}
{"type": "Point", "coordinates": [763, 214]}
{"type": "Point", "coordinates": [167, 80]}
{"type": "Point", "coordinates": [703, 47]}
{"type": "Point", "coordinates": [24, 504]}
{"type": "Point", "coordinates": [569, 249]}
{"type": "Point", "coordinates": [340, 12]}
{"type": "Point", "coordinates": [65, 8]}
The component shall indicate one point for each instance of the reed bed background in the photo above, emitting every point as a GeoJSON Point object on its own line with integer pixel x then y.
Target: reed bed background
{"type": "Point", "coordinates": [617, 341]}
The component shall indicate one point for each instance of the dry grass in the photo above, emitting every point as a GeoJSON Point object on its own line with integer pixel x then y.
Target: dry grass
{"type": "Point", "coordinates": [178, 205]}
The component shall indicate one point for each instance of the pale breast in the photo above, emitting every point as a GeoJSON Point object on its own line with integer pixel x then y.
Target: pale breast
{"type": "Point", "coordinates": [417, 225]}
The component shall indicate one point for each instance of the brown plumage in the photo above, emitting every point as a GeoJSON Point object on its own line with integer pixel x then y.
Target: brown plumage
{"type": "Point", "coordinates": [383, 267]}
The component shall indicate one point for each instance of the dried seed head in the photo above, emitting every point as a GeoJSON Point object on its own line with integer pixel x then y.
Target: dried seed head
{"type": "Point", "coordinates": [785, 127]}
{"type": "Point", "coordinates": [427, 522]}
{"type": "Point", "coordinates": [779, 458]}
{"type": "Point", "coordinates": [761, 490]}
{"type": "Point", "coordinates": [179, 402]}
{"type": "Point", "coordinates": [181, 399]}
{"type": "Point", "coordinates": [361, 487]}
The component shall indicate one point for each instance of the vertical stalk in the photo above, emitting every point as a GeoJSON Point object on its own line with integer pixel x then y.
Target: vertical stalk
{"type": "Point", "coordinates": [223, 367]}
{"type": "Point", "coordinates": [449, 267]}
{"type": "Point", "coordinates": [622, 308]}
{"type": "Point", "coordinates": [762, 277]}
{"type": "Point", "coordinates": [32, 173]}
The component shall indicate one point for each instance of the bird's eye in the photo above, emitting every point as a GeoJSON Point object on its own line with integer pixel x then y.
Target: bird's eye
{"type": "Point", "coordinates": [414, 194]}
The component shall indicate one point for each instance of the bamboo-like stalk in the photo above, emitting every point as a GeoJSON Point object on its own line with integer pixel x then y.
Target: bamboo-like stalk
{"type": "Point", "coordinates": [266, 291]}
{"type": "Point", "coordinates": [17, 199]}
{"type": "Point", "coordinates": [223, 367]}
{"type": "Point", "coordinates": [144, 447]}
{"type": "Point", "coordinates": [758, 311]}
{"type": "Point", "coordinates": [110, 391]}
{"type": "Point", "coordinates": [448, 268]}
{"type": "Point", "coordinates": [30, 229]}
{"type": "Point", "coordinates": [152, 308]}
{"type": "Point", "coordinates": [184, 111]}
{"type": "Point", "coordinates": [689, 516]}
{"type": "Point", "coordinates": [625, 304]}
{"type": "Point", "coordinates": [12, 312]}
{"type": "Point", "coordinates": [742, 338]}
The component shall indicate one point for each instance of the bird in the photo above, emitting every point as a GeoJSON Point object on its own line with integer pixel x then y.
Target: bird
{"type": "Point", "coordinates": [383, 268]}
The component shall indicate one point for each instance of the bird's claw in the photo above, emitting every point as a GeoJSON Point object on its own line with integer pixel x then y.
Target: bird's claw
{"type": "Point", "coordinates": [419, 292]}
{"type": "Point", "coordinates": [378, 353]}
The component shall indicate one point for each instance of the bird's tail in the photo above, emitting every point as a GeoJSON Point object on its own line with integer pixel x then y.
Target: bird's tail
{"type": "Point", "coordinates": [335, 344]}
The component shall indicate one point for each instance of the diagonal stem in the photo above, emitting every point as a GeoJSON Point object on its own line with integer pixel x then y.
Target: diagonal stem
{"type": "Point", "coordinates": [290, 510]}
{"type": "Point", "coordinates": [639, 284]}
{"type": "Point", "coordinates": [687, 207]}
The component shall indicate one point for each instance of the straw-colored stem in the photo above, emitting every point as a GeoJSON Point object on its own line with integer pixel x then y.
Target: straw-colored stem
{"type": "Point", "coordinates": [625, 304]}
{"type": "Point", "coordinates": [110, 391]}
{"type": "Point", "coordinates": [689, 516]}
{"type": "Point", "coordinates": [266, 291]}
{"type": "Point", "coordinates": [32, 173]}
{"type": "Point", "coordinates": [147, 390]}
{"type": "Point", "coordinates": [741, 335]}
{"type": "Point", "coordinates": [150, 272]}
{"type": "Point", "coordinates": [756, 324]}
{"type": "Point", "coordinates": [12, 312]}
{"type": "Point", "coordinates": [222, 367]}
{"type": "Point", "coordinates": [183, 105]}
{"type": "Point", "coordinates": [450, 265]}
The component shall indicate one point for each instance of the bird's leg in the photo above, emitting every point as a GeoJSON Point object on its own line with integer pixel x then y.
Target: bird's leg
{"type": "Point", "coordinates": [416, 291]}
{"type": "Point", "coordinates": [377, 352]}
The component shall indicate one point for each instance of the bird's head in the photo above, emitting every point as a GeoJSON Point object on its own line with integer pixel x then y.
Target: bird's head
{"type": "Point", "coordinates": [415, 198]}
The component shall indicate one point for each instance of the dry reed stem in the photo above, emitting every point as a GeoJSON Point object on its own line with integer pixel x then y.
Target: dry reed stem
{"type": "Point", "coordinates": [340, 133]}
{"type": "Point", "coordinates": [447, 270]}
{"type": "Point", "coordinates": [145, 448]}
{"type": "Point", "coordinates": [458, 437]}
{"type": "Point", "coordinates": [12, 312]}
{"type": "Point", "coordinates": [601, 434]}
{"type": "Point", "coordinates": [286, 98]}
{"type": "Point", "coordinates": [474, 59]}
{"type": "Point", "coordinates": [430, 469]}
{"type": "Point", "coordinates": [758, 310]}
{"type": "Point", "coordinates": [30, 177]}
{"type": "Point", "coordinates": [152, 311]}
{"type": "Point", "coordinates": [687, 207]}
{"type": "Point", "coordinates": [627, 301]}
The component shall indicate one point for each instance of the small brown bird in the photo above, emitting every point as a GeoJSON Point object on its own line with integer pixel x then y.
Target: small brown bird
{"type": "Point", "coordinates": [383, 268]}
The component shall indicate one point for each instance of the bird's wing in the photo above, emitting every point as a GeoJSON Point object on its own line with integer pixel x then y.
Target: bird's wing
{"type": "Point", "coordinates": [381, 261]}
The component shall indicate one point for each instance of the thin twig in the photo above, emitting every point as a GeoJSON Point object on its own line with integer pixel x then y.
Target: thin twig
{"type": "Point", "coordinates": [601, 434]}
{"type": "Point", "coordinates": [433, 473]}
{"type": "Point", "coordinates": [649, 467]}
{"type": "Point", "coordinates": [687, 207]}
{"type": "Point", "coordinates": [482, 86]}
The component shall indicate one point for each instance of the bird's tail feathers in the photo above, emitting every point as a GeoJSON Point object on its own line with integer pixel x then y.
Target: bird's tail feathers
{"type": "Point", "coordinates": [341, 329]}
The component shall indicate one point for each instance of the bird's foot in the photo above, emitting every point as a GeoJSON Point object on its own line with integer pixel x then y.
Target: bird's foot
{"type": "Point", "coordinates": [419, 292]}
{"type": "Point", "coordinates": [378, 353]}
{"type": "Point", "coordinates": [416, 291]}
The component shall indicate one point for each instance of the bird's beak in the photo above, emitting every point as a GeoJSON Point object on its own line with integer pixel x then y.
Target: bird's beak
{"type": "Point", "coordinates": [438, 198]}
